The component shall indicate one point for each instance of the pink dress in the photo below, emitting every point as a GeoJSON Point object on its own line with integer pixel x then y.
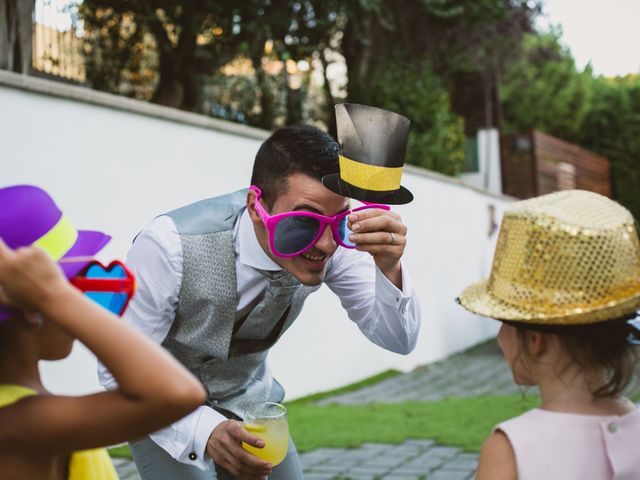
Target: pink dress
{"type": "Point", "coordinates": [565, 446]}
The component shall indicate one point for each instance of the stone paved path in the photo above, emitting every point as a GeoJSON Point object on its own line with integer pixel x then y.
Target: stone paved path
{"type": "Point", "coordinates": [411, 460]}
{"type": "Point", "coordinates": [479, 371]}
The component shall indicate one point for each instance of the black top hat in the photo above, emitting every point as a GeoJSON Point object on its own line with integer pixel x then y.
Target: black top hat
{"type": "Point", "coordinates": [372, 145]}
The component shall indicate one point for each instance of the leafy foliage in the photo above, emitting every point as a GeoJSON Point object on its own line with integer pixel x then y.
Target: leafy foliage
{"type": "Point", "coordinates": [544, 90]}
{"type": "Point", "coordinates": [417, 57]}
{"type": "Point", "coordinates": [172, 54]}
{"type": "Point", "coordinates": [436, 139]}
{"type": "Point", "coordinates": [612, 128]}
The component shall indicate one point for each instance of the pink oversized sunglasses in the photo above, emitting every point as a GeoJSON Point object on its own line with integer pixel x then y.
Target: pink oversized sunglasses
{"type": "Point", "coordinates": [293, 233]}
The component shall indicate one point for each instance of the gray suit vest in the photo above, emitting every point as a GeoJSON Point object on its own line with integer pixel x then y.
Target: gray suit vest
{"type": "Point", "coordinates": [228, 356]}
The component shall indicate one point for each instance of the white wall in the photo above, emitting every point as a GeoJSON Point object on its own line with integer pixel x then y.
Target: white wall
{"type": "Point", "coordinates": [114, 170]}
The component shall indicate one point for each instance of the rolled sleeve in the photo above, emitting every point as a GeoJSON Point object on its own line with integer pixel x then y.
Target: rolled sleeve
{"type": "Point", "coordinates": [386, 315]}
{"type": "Point", "coordinates": [391, 295]}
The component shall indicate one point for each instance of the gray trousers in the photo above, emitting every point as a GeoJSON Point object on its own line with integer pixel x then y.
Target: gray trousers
{"type": "Point", "coordinates": [154, 463]}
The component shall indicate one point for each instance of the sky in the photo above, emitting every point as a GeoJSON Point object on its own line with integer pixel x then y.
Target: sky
{"type": "Point", "coordinates": [605, 32]}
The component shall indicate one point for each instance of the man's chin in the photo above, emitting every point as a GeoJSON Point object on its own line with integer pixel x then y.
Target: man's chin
{"type": "Point", "coordinates": [312, 282]}
{"type": "Point", "coordinates": [310, 278]}
{"type": "Point", "coordinates": [308, 273]}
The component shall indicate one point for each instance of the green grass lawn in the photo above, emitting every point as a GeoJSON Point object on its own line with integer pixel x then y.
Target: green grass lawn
{"type": "Point", "coordinates": [462, 422]}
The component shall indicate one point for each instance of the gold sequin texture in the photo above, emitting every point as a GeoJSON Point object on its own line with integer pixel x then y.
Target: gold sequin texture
{"type": "Point", "coordinates": [571, 257]}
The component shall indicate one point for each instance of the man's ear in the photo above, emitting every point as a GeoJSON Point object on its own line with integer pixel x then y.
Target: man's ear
{"type": "Point", "coordinates": [251, 207]}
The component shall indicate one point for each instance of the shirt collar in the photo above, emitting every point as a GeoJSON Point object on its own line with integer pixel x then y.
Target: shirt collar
{"type": "Point", "coordinates": [247, 248]}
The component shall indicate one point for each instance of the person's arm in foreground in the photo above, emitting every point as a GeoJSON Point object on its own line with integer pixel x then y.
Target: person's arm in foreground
{"type": "Point", "coordinates": [204, 435]}
{"type": "Point", "coordinates": [154, 389]}
{"type": "Point", "coordinates": [497, 460]}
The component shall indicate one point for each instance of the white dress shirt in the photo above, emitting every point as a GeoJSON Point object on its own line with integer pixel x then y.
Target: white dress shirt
{"type": "Point", "coordinates": [387, 316]}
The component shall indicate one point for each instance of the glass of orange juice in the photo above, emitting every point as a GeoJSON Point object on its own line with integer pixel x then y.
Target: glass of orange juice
{"type": "Point", "coordinates": [268, 421]}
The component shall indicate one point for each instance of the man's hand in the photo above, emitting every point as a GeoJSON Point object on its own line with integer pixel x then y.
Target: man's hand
{"type": "Point", "coordinates": [383, 235]}
{"type": "Point", "coordinates": [225, 447]}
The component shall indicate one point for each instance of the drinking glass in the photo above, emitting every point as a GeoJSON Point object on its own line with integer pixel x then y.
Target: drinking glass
{"type": "Point", "coordinates": [268, 421]}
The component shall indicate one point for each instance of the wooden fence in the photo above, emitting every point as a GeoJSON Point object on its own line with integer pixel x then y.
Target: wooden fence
{"type": "Point", "coordinates": [536, 163]}
{"type": "Point", "coordinates": [57, 53]}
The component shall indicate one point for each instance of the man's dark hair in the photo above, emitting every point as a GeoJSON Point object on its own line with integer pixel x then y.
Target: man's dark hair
{"type": "Point", "coordinates": [296, 149]}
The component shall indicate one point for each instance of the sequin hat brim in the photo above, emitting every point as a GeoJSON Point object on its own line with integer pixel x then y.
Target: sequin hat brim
{"type": "Point", "coordinates": [477, 299]}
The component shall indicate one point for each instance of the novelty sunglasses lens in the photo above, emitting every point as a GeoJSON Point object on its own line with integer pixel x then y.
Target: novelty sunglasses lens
{"type": "Point", "coordinates": [295, 233]}
{"type": "Point", "coordinates": [115, 302]}
{"type": "Point", "coordinates": [344, 232]}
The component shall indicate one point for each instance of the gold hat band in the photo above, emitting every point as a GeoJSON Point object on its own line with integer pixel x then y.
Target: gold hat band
{"type": "Point", "coordinates": [59, 240]}
{"type": "Point", "coordinates": [370, 177]}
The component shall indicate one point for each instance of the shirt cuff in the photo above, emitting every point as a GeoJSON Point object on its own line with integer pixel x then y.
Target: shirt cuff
{"type": "Point", "coordinates": [391, 295]}
{"type": "Point", "coordinates": [186, 440]}
{"type": "Point", "coordinates": [208, 421]}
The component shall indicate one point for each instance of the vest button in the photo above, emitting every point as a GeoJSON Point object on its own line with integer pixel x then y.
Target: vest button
{"type": "Point", "coordinates": [192, 456]}
{"type": "Point", "coordinates": [612, 427]}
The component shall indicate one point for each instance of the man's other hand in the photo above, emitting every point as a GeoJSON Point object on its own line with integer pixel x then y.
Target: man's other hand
{"type": "Point", "coordinates": [225, 448]}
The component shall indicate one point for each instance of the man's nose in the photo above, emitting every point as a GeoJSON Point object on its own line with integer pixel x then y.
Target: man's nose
{"type": "Point", "coordinates": [326, 242]}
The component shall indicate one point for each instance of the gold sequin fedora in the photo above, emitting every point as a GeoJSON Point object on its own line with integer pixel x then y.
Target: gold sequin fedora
{"type": "Point", "coordinates": [567, 258]}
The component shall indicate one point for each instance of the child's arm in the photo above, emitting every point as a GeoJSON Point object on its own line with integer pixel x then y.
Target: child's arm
{"type": "Point", "coordinates": [497, 460]}
{"type": "Point", "coordinates": [154, 389]}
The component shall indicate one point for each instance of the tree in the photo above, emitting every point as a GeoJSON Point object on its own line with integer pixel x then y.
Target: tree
{"type": "Point", "coordinates": [450, 35]}
{"type": "Point", "coordinates": [612, 128]}
{"type": "Point", "coordinates": [436, 137]}
{"type": "Point", "coordinates": [190, 38]}
{"type": "Point", "coordinates": [542, 89]}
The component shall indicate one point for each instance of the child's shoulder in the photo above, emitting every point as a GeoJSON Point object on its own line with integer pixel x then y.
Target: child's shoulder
{"type": "Point", "coordinates": [497, 459]}
{"type": "Point", "coordinates": [530, 417]}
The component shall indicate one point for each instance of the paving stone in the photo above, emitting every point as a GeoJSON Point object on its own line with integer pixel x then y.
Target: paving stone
{"type": "Point", "coordinates": [333, 472]}
{"type": "Point", "coordinates": [426, 464]}
{"type": "Point", "coordinates": [360, 454]}
{"type": "Point", "coordinates": [375, 446]}
{"type": "Point", "coordinates": [367, 471]}
{"type": "Point", "coordinates": [328, 452]}
{"type": "Point", "coordinates": [420, 443]}
{"type": "Point", "coordinates": [388, 461]}
{"type": "Point", "coordinates": [458, 467]}
{"type": "Point", "coordinates": [344, 465]}
{"type": "Point", "coordinates": [449, 475]}
{"type": "Point", "coordinates": [400, 476]}
{"type": "Point", "coordinates": [410, 470]}
{"type": "Point", "coordinates": [468, 457]}
{"type": "Point", "coordinates": [311, 462]}
{"type": "Point", "coordinates": [439, 451]}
